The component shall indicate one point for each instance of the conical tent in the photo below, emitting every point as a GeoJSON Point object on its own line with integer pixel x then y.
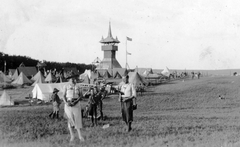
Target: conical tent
{"type": "Point", "coordinates": [50, 78]}
{"type": "Point", "coordinates": [4, 78]}
{"type": "Point", "coordinates": [135, 78]}
{"type": "Point", "coordinates": [106, 75]}
{"type": "Point", "coordinates": [86, 79]}
{"type": "Point", "coordinates": [15, 75]}
{"type": "Point", "coordinates": [147, 72]}
{"type": "Point", "coordinates": [22, 79]}
{"type": "Point", "coordinates": [83, 75]}
{"type": "Point", "coordinates": [117, 75]}
{"type": "Point", "coordinates": [121, 71]}
{"type": "Point", "coordinates": [99, 75]}
{"type": "Point", "coordinates": [88, 72]}
{"type": "Point", "coordinates": [166, 72]}
{"type": "Point", "coordinates": [38, 78]}
{"type": "Point", "coordinates": [6, 100]}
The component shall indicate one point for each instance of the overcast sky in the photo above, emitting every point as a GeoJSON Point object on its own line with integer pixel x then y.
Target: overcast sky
{"type": "Point", "coordinates": [179, 34]}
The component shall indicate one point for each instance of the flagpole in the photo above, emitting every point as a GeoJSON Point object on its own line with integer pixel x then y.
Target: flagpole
{"type": "Point", "coordinates": [126, 53]}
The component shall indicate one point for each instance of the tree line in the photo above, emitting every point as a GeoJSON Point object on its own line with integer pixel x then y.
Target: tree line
{"type": "Point", "coordinates": [13, 62]}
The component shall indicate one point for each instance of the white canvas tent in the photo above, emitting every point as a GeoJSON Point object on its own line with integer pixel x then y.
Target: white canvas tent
{"type": "Point", "coordinates": [50, 78]}
{"type": "Point", "coordinates": [6, 100]}
{"type": "Point", "coordinates": [135, 79]}
{"type": "Point", "coordinates": [22, 79]}
{"type": "Point", "coordinates": [4, 78]}
{"type": "Point", "coordinates": [166, 72]}
{"type": "Point", "coordinates": [38, 78]}
{"type": "Point", "coordinates": [44, 91]}
{"type": "Point", "coordinates": [88, 72]}
{"type": "Point", "coordinates": [15, 75]}
{"type": "Point", "coordinates": [85, 80]}
{"type": "Point", "coordinates": [83, 75]}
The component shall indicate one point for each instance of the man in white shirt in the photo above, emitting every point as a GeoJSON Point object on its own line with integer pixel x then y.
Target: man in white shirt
{"type": "Point", "coordinates": [128, 93]}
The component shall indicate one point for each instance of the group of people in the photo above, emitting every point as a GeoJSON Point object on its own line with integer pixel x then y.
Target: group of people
{"type": "Point", "coordinates": [72, 106]}
{"type": "Point", "coordinates": [198, 74]}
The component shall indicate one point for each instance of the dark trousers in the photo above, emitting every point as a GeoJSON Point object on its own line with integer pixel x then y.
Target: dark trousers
{"type": "Point", "coordinates": [127, 111]}
{"type": "Point", "coordinates": [100, 107]}
{"type": "Point", "coordinates": [93, 113]}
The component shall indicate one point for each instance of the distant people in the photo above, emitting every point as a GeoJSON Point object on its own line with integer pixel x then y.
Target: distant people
{"type": "Point", "coordinates": [101, 94]}
{"type": "Point", "coordinates": [72, 96]}
{"type": "Point", "coordinates": [56, 103]}
{"type": "Point", "coordinates": [192, 75]}
{"type": "Point", "coordinates": [128, 93]}
{"type": "Point", "coordinates": [235, 74]}
{"type": "Point", "coordinates": [140, 88]}
{"type": "Point", "coordinates": [198, 75]}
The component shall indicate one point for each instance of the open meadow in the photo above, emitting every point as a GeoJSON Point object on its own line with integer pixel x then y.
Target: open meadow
{"type": "Point", "coordinates": [182, 113]}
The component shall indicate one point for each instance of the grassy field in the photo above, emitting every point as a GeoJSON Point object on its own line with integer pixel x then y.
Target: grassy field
{"type": "Point", "coordinates": [182, 113]}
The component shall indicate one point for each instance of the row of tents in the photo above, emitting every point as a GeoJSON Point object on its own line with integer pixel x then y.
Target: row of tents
{"type": "Point", "coordinates": [23, 79]}
{"type": "Point", "coordinates": [87, 77]}
{"type": "Point", "coordinates": [43, 90]}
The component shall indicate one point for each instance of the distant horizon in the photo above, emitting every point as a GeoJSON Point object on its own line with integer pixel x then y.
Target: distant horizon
{"type": "Point", "coordinates": [188, 69]}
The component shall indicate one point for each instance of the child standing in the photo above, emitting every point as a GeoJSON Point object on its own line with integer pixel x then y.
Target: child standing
{"type": "Point", "coordinates": [56, 103]}
{"type": "Point", "coordinates": [93, 103]}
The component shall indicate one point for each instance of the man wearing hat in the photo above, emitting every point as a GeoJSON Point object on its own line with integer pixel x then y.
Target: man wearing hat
{"type": "Point", "coordinates": [56, 103]}
{"type": "Point", "coordinates": [71, 96]}
{"type": "Point", "coordinates": [128, 93]}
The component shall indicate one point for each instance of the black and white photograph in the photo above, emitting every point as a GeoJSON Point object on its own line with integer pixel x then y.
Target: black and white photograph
{"type": "Point", "coordinates": [107, 73]}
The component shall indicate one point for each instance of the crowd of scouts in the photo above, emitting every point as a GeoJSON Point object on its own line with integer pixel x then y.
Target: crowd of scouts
{"type": "Point", "coordinates": [72, 106]}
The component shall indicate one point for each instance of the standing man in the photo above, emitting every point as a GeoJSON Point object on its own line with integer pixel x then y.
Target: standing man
{"type": "Point", "coordinates": [128, 93]}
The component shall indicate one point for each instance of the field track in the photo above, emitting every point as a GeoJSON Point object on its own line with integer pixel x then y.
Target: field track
{"type": "Point", "coordinates": [180, 113]}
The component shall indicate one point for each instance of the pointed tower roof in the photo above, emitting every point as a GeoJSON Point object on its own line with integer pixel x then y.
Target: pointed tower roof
{"type": "Point", "coordinates": [109, 30]}
{"type": "Point", "coordinates": [109, 38]}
